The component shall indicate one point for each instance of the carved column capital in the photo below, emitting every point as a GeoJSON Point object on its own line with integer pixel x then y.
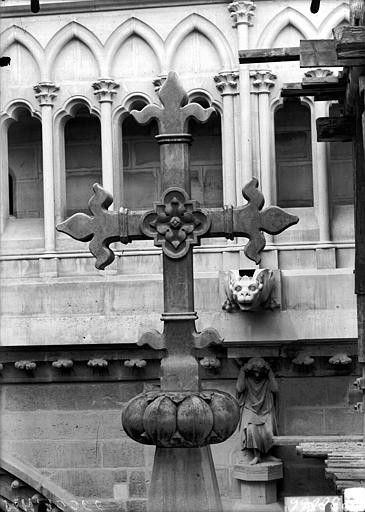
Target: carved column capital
{"type": "Point", "coordinates": [318, 73]}
{"type": "Point", "coordinates": [262, 80]}
{"type": "Point", "coordinates": [226, 82]}
{"type": "Point", "coordinates": [242, 12]}
{"type": "Point", "coordinates": [46, 92]}
{"type": "Point", "coordinates": [105, 88]}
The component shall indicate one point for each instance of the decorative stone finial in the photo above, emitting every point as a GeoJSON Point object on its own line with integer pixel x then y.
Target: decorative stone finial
{"type": "Point", "coordinates": [46, 92]}
{"type": "Point", "coordinates": [226, 82]}
{"type": "Point", "coordinates": [242, 12]}
{"type": "Point", "coordinates": [262, 80]}
{"type": "Point", "coordinates": [105, 88]}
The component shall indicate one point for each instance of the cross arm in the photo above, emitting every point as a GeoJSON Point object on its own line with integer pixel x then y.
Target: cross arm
{"type": "Point", "coordinates": [250, 221]}
{"type": "Point", "coordinates": [103, 227]}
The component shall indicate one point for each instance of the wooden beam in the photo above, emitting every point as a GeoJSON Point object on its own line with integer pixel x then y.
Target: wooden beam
{"type": "Point", "coordinates": [311, 53]}
{"type": "Point", "coordinates": [269, 55]}
{"type": "Point", "coordinates": [320, 93]}
{"type": "Point", "coordinates": [335, 129]}
{"type": "Point", "coordinates": [350, 42]}
{"type": "Point", "coordinates": [322, 53]}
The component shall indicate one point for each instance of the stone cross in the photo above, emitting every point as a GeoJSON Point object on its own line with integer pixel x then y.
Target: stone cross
{"type": "Point", "coordinates": [180, 419]}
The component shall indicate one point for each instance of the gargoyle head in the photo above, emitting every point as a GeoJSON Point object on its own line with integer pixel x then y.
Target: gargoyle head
{"type": "Point", "coordinates": [250, 293]}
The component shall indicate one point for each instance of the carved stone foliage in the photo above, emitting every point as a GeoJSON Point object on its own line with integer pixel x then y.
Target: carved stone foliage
{"type": "Point", "coordinates": [227, 82]}
{"type": "Point", "coordinates": [181, 419]}
{"type": "Point", "coordinates": [104, 89]}
{"type": "Point", "coordinates": [262, 80]}
{"type": "Point", "coordinates": [249, 292]}
{"type": "Point", "coordinates": [175, 224]}
{"type": "Point", "coordinates": [46, 92]}
{"type": "Point", "coordinates": [242, 11]}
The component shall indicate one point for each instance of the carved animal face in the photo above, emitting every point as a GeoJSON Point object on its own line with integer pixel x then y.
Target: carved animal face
{"type": "Point", "coordinates": [246, 292]}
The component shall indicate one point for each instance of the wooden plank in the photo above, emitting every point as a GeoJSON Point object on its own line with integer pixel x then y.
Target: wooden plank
{"type": "Point", "coordinates": [322, 53]}
{"type": "Point", "coordinates": [335, 129]}
{"type": "Point", "coordinates": [320, 93]}
{"type": "Point", "coordinates": [350, 42]}
{"type": "Point", "coordinates": [269, 55]}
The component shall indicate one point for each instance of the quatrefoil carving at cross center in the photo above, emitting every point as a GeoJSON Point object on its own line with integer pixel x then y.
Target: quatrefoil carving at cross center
{"type": "Point", "coordinates": [176, 223]}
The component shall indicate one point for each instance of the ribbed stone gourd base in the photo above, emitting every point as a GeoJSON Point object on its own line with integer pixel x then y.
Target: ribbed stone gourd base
{"type": "Point", "coordinates": [184, 480]}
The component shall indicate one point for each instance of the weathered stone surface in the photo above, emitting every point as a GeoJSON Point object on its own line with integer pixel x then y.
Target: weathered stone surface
{"type": "Point", "coordinates": [340, 420]}
{"type": "Point", "coordinates": [53, 425]}
{"type": "Point", "coordinates": [137, 484]}
{"type": "Point", "coordinates": [57, 454]}
{"type": "Point", "coordinates": [136, 505]}
{"type": "Point", "coordinates": [304, 421]}
{"type": "Point", "coordinates": [83, 396]}
{"type": "Point", "coordinates": [120, 454]}
{"type": "Point", "coordinates": [90, 483]}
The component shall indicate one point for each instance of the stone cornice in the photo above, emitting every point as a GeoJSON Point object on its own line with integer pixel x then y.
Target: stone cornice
{"type": "Point", "coordinates": [90, 6]}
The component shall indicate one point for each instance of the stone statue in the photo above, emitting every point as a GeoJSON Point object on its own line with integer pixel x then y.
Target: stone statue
{"type": "Point", "coordinates": [249, 293]}
{"type": "Point", "coordinates": [255, 387]}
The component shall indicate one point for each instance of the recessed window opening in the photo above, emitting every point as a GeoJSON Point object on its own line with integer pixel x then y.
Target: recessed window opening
{"type": "Point", "coordinates": [141, 162]}
{"type": "Point", "coordinates": [340, 167]}
{"type": "Point", "coordinates": [25, 166]}
{"type": "Point", "coordinates": [293, 151]}
{"type": "Point", "coordinates": [83, 159]}
{"type": "Point", "coordinates": [206, 160]}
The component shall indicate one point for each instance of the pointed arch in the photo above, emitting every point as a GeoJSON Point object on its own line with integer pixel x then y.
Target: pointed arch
{"type": "Point", "coordinates": [198, 92]}
{"type": "Point", "coordinates": [73, 30]}
{"type": "Point", "coordinates": [339, 14]}
{"type": "Point", "coordinates": [287, 16]}
{"type": "Point", "coordinates": [15, 34]}
{"type": "Point", "coordinates": [11, 111]}
{"type": "Point", "coordinates": [133, 26]}
{"type": "Point", "coordinates": [196, 22]}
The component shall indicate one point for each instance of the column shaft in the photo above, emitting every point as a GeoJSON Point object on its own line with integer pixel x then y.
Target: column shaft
{"type": "Point", "coordinates": [105, 89]}
{"type": "Point", "coordinates": [229, 168]}
{"type": "Point", "coordinates": [107, 146]}
{"type": "Point", "coordinates": [4, 189]}
{"type": "Point", "coordinates": [320, 109]}
{"type": "Point", "coordinates": [48, 179]}
{"type": "Point", "coordinates": [264, 129]}
{"type": "Point", "coordinates": [242, 12]}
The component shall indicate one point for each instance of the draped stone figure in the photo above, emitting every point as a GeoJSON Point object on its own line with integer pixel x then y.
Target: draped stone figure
{"type": "Point", "coordinates": [255, 387]}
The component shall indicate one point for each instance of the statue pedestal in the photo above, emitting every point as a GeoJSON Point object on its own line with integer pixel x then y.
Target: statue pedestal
{"type": "Point", "coordinates": [258, 486]}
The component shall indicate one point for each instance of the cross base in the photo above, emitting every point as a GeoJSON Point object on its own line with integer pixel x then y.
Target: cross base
{"type": "Point", "coordinates": [184, 480]}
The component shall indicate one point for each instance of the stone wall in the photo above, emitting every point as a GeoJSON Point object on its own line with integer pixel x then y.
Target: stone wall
{"type": "Point", "coordinates": [72, 432]}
